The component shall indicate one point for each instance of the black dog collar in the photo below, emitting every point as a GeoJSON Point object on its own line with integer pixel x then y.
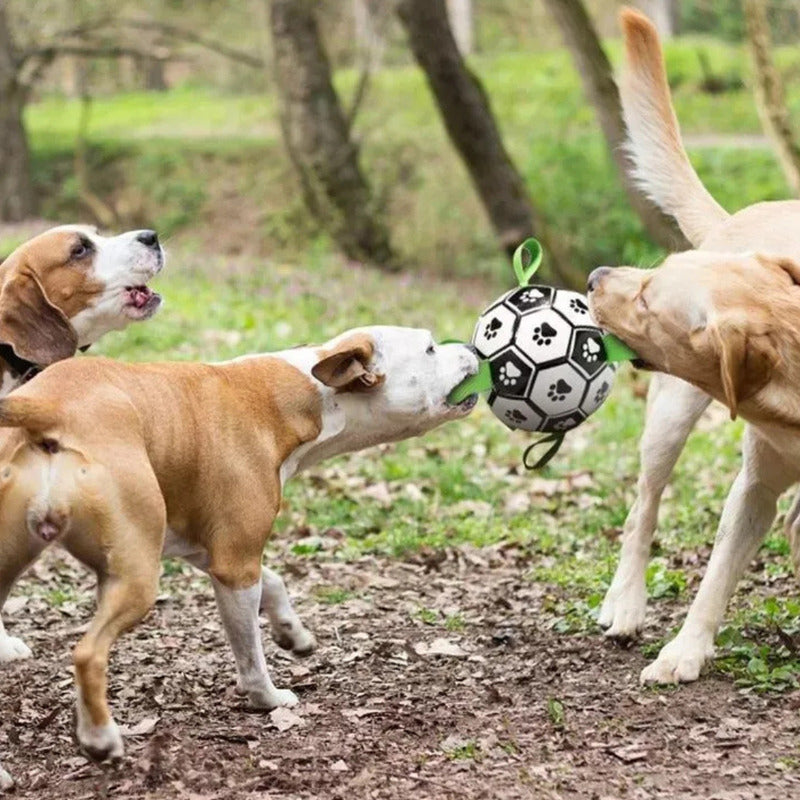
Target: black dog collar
{"type": "Point", "coordinates": [21, 367]}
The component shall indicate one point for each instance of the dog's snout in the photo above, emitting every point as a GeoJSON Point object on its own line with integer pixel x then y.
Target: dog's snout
{"type": "Point", "coordinates": [595, 276]}
{"type": "Point", "coordinates": [148, 239]}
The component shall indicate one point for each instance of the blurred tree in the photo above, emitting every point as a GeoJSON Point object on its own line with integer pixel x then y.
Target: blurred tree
{"type": "Point", "coordinates": [317, 136]}
{"type": "Point", "coordinates": [601, 90]}
{"type": "Point", "coordinates": [770, 94]}
{"type": "Point", "coordinates": [470, 124]}
{"type": "Point", "coordinates": [17, 199]}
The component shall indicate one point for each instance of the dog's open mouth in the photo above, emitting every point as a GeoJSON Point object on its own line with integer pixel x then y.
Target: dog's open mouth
{"type": "Point", "coordinates": [141, 301]}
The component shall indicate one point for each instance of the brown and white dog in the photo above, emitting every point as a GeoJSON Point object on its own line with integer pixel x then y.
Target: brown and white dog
{"type": "Point", "coordinates": [719, 322]}
{"type": "Point", "coordinates": [673, 405]}
{"type": "Point", "coordinates": [125, 463]}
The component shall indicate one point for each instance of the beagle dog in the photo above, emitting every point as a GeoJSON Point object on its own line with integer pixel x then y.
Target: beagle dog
{"type": "Point", "coordinates": [123, 464]}
{"type": "Point", "coordinates": [673, 405]}
{"type": "Point", "coordinates": [64, 289]}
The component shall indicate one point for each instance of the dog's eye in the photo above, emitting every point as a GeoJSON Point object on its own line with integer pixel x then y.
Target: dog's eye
{"type": "Point", "coordinates": [641, 303]}
{"type": "Point", "coordinates": [431, 349]}
{"type": "Point", "coordinates": [81, 249]}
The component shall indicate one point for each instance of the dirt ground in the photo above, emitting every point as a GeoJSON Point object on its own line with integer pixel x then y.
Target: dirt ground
{"type": "Point", "coordinates": [507, 709]}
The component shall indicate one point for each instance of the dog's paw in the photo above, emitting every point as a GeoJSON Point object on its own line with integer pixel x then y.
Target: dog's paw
{"type": "Point", "coordinates": [13, 649]}
{"type": "Point", "coordinates": [100, 742]}
{"type": "Point", "coordinates": [6, 781]}
{"type": "Point", "coordinates": [296, 638]}
{"type": "Point", "coordinates": [623, 612]}
{"type": "Point", "coordinates": [267, 700]}
{"type": "Point", "coordinates": [679, 661]}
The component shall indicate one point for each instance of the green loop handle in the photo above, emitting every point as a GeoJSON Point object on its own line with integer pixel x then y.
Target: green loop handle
{"type": "Point", "coordinates": [555, 440]}
{"type": "Point", "coordinates": [527, 259]}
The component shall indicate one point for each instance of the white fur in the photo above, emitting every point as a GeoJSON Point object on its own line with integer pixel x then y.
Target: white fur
{"type": "Point", "coordinates": [119, 262]}
{"type": "Point", "coordinates": [100, 741]}
{"type": "Point", "coordinates": [11, 648]}
{"type": "Point", "coordinates": [239, 611]}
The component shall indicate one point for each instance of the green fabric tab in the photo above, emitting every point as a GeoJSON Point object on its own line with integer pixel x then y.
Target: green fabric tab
{"type": "Point", "coordinates": [481, 381]}
{"type": "Point", "coordinates": [527, 258]}
{"type": "Point", "coordinates": [617, 350]}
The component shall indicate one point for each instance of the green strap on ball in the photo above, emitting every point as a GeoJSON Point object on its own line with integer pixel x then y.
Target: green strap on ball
{"type": "Point", "coordinates": [481, 381]}
{"type": "Point", "coordinates": [617, 350]}
{"type": "Point", "coordinates": [527, 260]}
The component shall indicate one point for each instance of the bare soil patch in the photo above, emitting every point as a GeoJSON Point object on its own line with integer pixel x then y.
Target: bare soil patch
{"type": "Point", "coordinates": [510, 709]}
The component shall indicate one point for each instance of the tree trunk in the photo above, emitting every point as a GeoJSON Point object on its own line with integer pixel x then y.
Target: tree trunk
{"type": "Point", "coordinates": [770, 95]}
{"type": "Point", "coordinates": [468, 119]}
{"type": "Point", "coordinates": [598, 83]}
{"type": "Point", "coordinates": [17, 200]}
{"type": "Point", "coordinates": [316, 135]}
{"type": "Point", "coordinates": [461, 22]}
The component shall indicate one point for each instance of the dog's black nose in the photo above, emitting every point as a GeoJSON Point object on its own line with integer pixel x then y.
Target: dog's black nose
{"type": "Point", "coordinates": [148, 238]}
{"type": "Point", "coordinates": [595, 276]}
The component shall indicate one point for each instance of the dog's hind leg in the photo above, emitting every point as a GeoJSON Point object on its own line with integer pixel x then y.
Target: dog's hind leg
{"type": "Point", "coordinates": [287, 630]}
{"type": "Point", "coordinates": [18, 550]}
{"type": "Point", "coordinates": [749, 511]}
{"type": "Point", "coordinates": [792, 531]}
{"type": "Point", "coordinates": [673, 408]}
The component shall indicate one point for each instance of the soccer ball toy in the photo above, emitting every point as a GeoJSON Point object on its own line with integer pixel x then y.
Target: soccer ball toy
{"type": "Point", "coordinates": [546, 358]}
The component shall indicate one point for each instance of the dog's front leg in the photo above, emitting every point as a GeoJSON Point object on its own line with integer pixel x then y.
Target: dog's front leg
{"type": "Point", "coordinates": [673, 408]}
{"type": "Point", "coordinates": [239, 611]}
{"type": "Point", "coordinates": [746, 518]}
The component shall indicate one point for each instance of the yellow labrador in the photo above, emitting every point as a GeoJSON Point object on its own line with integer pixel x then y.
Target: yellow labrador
{"type": "Point", "coordinates": [673, 405]}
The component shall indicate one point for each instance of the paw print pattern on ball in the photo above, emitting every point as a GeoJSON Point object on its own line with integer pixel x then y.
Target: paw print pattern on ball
{"type": "Point", "coordinates": [602, 392]}
{"type": "Point", "coordinates": [590, 351]}
{"type": "Point", "coordinates": [529, 297]}
{"type": "Point", "coordinates": [559, 390]}
{"type": "Point", "coordinates": [492, 327]}
{"type": "Point", "coordinates": [514, 416]}
{"type": "Point", "coordinates": [509, 373]}
{"type": "Point", "coordinates": [579, 306]}
{"type": "Point", "coordinates": [587, 351]}
{"type": "Point", "coordinates": [543, 334]}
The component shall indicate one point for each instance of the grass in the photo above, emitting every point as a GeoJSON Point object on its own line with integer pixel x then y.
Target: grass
{"type": "Point", "coordinates": [209, 167]}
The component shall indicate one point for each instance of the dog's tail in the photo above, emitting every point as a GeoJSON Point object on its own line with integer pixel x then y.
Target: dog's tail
{"type": "Point", "coordinates": [661, 166]}
{"type": "Point", "coordinates": [29, 413]}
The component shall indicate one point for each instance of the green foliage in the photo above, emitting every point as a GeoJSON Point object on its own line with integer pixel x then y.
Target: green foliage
{"type": "Point", "coordinates": [210, 167]}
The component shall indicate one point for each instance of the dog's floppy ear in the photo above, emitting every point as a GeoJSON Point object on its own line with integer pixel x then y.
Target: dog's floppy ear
{"type": "Point", "coordinates": [346, 367]}
{"type": "Point", "coordinates": [36, 330]}
{"type": "Point", "coordinates": [746, 359]}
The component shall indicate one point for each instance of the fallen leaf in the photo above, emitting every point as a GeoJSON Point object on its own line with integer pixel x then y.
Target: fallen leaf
{"type": "Point", "coordinates": [439, 647]}
{"type": "Point", "coordinates": [284, 718]}
{"type": "Point", "coordinates": [142, 728]}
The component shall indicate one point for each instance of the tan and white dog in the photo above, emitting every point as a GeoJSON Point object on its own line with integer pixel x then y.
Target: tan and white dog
{"type": "Point", "coordinates": [673, 405]}
{"type": "Point", "coordinates": [125, 463]}
{"type": "Point", "coordinates": [67, 287]}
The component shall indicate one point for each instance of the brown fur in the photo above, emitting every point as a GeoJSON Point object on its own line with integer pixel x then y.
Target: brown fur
{"type": "Point", "coordinates": [42, 285]}
{"type": "Point", "coordinates": [139, 447]}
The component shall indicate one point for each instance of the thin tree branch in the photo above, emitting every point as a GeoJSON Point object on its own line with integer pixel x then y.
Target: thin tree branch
{"type": "Point", "coordinates": [187, 35]}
